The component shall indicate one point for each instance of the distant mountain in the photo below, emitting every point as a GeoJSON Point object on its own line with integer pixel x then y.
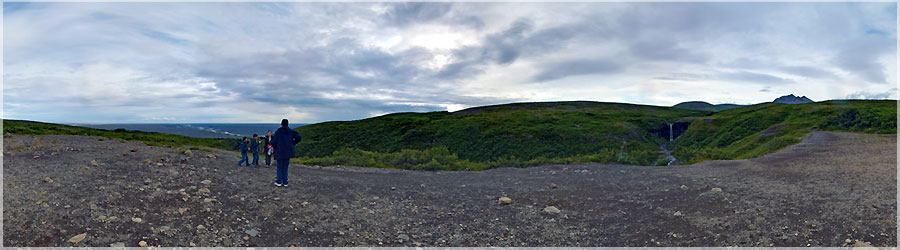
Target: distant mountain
{"type": "Point", "coordinates": [792, 99]}
{"type": "Point", "coordinates": [705, 106]}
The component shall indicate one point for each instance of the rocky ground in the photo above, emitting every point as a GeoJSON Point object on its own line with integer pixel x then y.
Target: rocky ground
{"type": "Point", "coordinates": [832, 189]}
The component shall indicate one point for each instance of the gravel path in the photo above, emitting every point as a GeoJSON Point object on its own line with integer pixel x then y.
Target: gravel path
{"type": "Point", "coordinates": [832, 189]}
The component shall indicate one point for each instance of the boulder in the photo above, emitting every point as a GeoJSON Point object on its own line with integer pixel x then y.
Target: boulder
{"type": "Point", "coordinates": [505, 200]}
{"type": "Point", "coordinates": [862, 245]}
{"type": "Point", "coordinates": [189, 153]}
{"type": "Point", "coordinates": [78, 238]}
{"type": "Point", "coordinates": [551, 210]}
{"type": "Point", "coordinates": [142, 243]}
{"type": "Point", "coordinates": [94, 163]}
{"type": "Point", "coordinates": [715, 190]}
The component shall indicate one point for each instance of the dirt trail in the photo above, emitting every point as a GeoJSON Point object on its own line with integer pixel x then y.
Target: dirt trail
{"type": "Point", "coordinates": [821, 192]}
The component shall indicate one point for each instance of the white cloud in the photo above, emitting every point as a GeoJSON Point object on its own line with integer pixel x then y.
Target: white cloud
{"type": "Point", "coordinates": [310, 62]}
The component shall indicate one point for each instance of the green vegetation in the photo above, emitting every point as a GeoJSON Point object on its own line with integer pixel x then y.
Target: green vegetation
{"type": "Point", "coordinates": [517, 135]}
{"type": "Point", "coordinates": [755, 130]}
{"type": "Point", "coordinates": [150, 138]}
{"type": "Point", "coordinates": [527, 134]}
{"type": "Point", "coordinates": [706, 106]}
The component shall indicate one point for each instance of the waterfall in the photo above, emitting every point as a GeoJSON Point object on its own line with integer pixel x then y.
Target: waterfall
{"type": "Point", "coordinates": [671, 136]}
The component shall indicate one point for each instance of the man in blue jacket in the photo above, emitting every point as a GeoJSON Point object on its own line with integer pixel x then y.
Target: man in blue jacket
{"type": "Point", "coordinates": [244, 149]}
{"type": "Point", "coordinates": [283, 142]}
{"type": "Point", "coordinates": [254, 149]}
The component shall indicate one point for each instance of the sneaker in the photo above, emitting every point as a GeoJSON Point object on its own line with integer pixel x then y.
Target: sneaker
{"type": "Point", "coordinates": [285, 185]}
{"type": "Point", "coordinates": [277, 184]}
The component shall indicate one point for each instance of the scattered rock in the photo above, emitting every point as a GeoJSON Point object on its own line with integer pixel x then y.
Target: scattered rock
{"type": "Point", "coordinates": [117, 244]}
{"type": "Point", "coordinates": [182, 210]}
{"type": "Point", "coordinates": [201, 227]}
{"type": "Point", "coordinates": [683, 187]}
{"type": "Point", "coordinates": [78, 238]}
{"type": "Point", "coordinates": [136, 219]}
{"type": "Point", "coordinates": [403, 237]}
{"type": "Point", "coordinates": [211, 156]}
{"type": "Point", "coordinates": [142, 243]}
{"type": "Point", "coordinates": [552, 185]}
{"type": "Point", "coordinates": [203, 190]}
{"type": "Point", "coordinates": [208, 200]}
{"type": "Point", "coordinates": [245, 237]}
{"type": "Point", "coordinates": [102, 217]}
{"type": "Point", "coordinates": [189, 153]}
{"type": "Point", "coordinates": [715, 190]}
{"type": "Point", "coordinates": [552, 210]}
{"type": "Point", "coordinates": [305, 203]}
{"type": "Point", "coordinates": [94, 163]}
{"type": "Point", "coordinates": [677, 213]}
{"type": "Point", "coordinates": [848, 241]}
{"type": "Point", "coordinates": [47, 180]}
{"type": "Point", "coordinates": [134, 150]}
{"type": "Point", "coordinates": [505, 200]}
{"type": "Point", "coordinates": [252, 232]}
{"type": "Point", "coordinates": [164, 228]}
{"type": "Point", "coordinates": [192, 244]}
{"type": "Point", "coordinates": [206, 182]}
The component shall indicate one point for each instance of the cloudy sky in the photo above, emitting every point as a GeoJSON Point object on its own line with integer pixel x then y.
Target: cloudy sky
{"type": "Point", "coordinates": [312, 62]}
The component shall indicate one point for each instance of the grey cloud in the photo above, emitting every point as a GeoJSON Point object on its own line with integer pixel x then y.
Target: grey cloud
{"type": "Point", "coordinates": [868, 95]}
{"type": "Point", "coordinates": [806, 71]}
{"type": "Point", "coordinates": [665, 50]}
{"type": "Point", "coordinates": [860, 56]}
{"type": "Point", "coordinates": [745, 76]}
{"type": "Point", "coordinates": [577, 67]}
{"type": "Point", "coordinates": [406, 13]}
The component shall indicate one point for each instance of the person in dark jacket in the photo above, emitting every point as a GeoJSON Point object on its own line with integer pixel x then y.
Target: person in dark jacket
{"type": "Point", "coordinates": [254, 149]}
{"type": "Point", "coordinates": [283, 142]}
{"type": "Point", "coordinates": [244, 149]}
{"type": "Point", "coordinates": [267, 149]}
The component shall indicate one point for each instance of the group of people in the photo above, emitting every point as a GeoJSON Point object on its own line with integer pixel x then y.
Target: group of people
{"type": "Point", "coordinates": [279, 145]}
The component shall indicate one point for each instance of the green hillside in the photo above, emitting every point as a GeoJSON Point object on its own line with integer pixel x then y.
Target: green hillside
{"type": "Point", "coordinates": [706, 106]}
{"type": "Point", "coordinates": [517, 134]}
{"type": "Point", "coordinates": [150, 138]}
{"type": "Point", "coordinates": [526, 134]}
{"type": "Point", "coordinates": [755, 130]}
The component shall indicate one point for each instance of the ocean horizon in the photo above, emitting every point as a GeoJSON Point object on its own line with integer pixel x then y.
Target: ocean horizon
{"type": "Point", "coordinates": [201, 130]}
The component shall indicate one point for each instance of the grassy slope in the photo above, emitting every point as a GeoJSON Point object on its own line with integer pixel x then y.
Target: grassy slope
{"type": "Point", "coordinates": [516, 134]}
{"type": "Point", "coordinates": [150, 138]}
{"type": "Point", "coordinates": [524, 134]}
{"type": "Point", "coordinates": [706, 106]}
{"type": "Point", "coordinates": [759, 129]}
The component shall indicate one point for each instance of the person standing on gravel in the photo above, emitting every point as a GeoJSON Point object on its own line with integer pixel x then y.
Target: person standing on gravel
{"type": "Point", "coordinates": [244, 148]}
{"type": "Point", "coordinates": [268, 148]}
{"type": "Point", "coordinates": [254, 149]}
{"type": "Point", "coordinates": [283, 142]}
